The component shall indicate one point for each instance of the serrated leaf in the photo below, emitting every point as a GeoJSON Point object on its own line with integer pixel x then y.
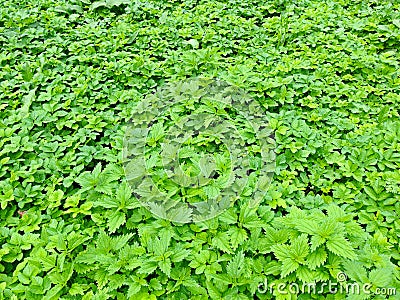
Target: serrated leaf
{"type": "Point", "coordinates": [316, 258]}
{"type": "Point", "coordinates": [235, 267]}
{"type": "Point", "coordinates": [229, 217]}
{"type": "Point", "coordinates": [165, 266]}
{"type": "Point", "coordinates": [133, 289]}
{"type": "Point", "coordinates": [299, 248]}
{"type": "Point", "coordinates": [281, 251]}
{"type": "Point", "coordinates": [222, 278]}
{"type": "Point", "coordinates": [238, 236]}
{"type": "Point", "coordinates": [338, 245]}
{"type": "Point", "coordinates": [305, 275]}
{"type": "Point", "coordinates": [179, 254]}
{"type": "Point", "coordinates": [120, 241]}
{"type": "Point", "coordinates": [222, 242]}
{"type": "Point", "coordinates": [381, 277]}
{"type": "Point", "coordinates": [207, 166]}
{"type": "Point", "coordinates": [316, 241]}
{"type": "Point", "coordinates": [288, 266]}
{"type": "Point", "coordinates": [307, 226]}
{"type": "Point", "coordinates": [356, 271]}
{"type": "Point", "coordinates": [148, 267]}
{"type": "Point", "coordinates": [116, 220]}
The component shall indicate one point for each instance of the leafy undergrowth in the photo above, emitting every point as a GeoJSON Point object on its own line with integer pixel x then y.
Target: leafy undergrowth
{"type": "Point", "coordinates": [71, 72]}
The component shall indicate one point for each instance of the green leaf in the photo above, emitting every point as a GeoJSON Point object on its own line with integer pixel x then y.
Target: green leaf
{"type": "Point", "coordinates": [237, 236]}
{"type": "Point", "coordinates": [316, 258]}
{"type": "Point", "coordinates": [316, 241]}
{"type": "Point", "coordinates": [120, 241]}
{"type": "Point", "coordinates": [307, 226]}
{"type": "Point", "coordinates": [281, 251]}
{"type": "Point", "coordinates": [55, 198]}
{"type": "Point", "coordinates": [229, 217]}
{"type": "Point", "coordinates": [300, 248]}
{"type": "Point", "coordinates": [116, 220]}
{"type": "Point", "coordinates": [147, 267]}
{"type": "Point", "coordinates": [235, 267]}
{"type": "Point", "coordinates": [222, 242]}
{"type": "Point", "coordinates": [222, 278]}
{"type": "Point", "coordinates": [98, 4]}
{"type": "Point", "coordinates": [356, 271]}
{"type": "Point", "coordinates": [134, 289]}
{"type": "Point", "coordinates": [165, 266]}
{"type": "Point", "coordinates": [381, 277]}
{"type": "Point", "coordinates": [78, 289]}
{"type": "Point", "coordinates": [288, 266]}
{"type": "Point", "coordinates": [207, 166]}
{"type": "Point", "coordinates": [340, 246]}
{"type": "Point", "coordinates": [179, 254]}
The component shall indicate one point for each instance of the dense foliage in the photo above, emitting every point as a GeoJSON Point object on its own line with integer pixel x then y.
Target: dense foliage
{"type": "Point", "coordinates": [71, 74]}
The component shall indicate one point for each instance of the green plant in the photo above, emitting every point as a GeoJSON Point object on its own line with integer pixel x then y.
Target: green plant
{"type": "Point", "coordinates": [325, 76]}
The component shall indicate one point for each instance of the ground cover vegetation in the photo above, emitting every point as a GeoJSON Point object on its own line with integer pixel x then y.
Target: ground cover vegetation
{"type": "Point", "coordinates": [71, 73]}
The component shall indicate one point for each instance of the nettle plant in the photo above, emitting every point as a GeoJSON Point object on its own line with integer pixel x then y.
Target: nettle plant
{"type": "Point", "coordinates": [320, 246]}
{"type": "Point", "coordinates": [193, 147]}
{"type": "Point", "coordinates": [72, 74]}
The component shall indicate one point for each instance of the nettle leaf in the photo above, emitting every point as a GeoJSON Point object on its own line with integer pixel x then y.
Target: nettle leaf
{"type": "Point", "coordinates": [356, 271]}
{"type": "Point", "coordinates": [273, 267]}
{"type": "Point", "coordinates": [306, 275]}
{"type": "Point", "coordinates": [212, 290]}
{"type": "Point", "coordinates": [116, 220]}
{"type": "Point", "coordinates": [229, 216]}
{"type": "Point", "coordinates": [340, 246]}
{"type": "Point", "coordinates": [293, 255]}
{"type": "Point", "coordinates": [316, 241]}
{"type": "Point", "coordinates": [249, 218]}
{"type": "Point", "coordinates": [236, 266]}
{"type": "Point", "coordinates": [75, 239]}
{"type": "Point", "coordinates": [288, 266]}
{"type": "Point", "coordinates": [124, 197]}
{"type": "Point", "coordinates": [381, 277]}
{"type": "Point", "coordinates": [159, 245]}
{"type": "Point", "coordinates": [221, 279]}
{"type": "Point", "coordinates": [116, 242]}
{"type": "Point", "coordinates": [147, 266]}
{"type": "Point", "coordinates": [78, 289]}
{"type": "Point", "coordinates": [212, 192]}
{"type": "Point", "coordinates": [165, 266]}
{"type": "Point", "coordinates": [207, 166]}
{"type": "Point", "coordinates": [281, 251]}
{"type": "Point", "coordinates": [300, 248]}
{"type": "Point", "coordinates": [329, 226]}
{"type": "Point", "coordinates": [179, 254]}
{"type": "Point", "coordinates": [307, 226]}
{"type": "Point", "coordinates": [222, 242]}
{"type": "Point", "coordinates": [121, 201]}
{"type": "Point", "coordinates": [194, 287]}
{"type": "Point", "coordinates": [237, 236]}
{"type": "Point", "coordinates": [316, 258]}
{"type": "Point", "coordinates": [106, 202]}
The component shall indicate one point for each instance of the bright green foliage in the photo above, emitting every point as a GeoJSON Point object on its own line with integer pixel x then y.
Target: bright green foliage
{"type": "Point", "coordinates": [326, 73]}
{"type": "Point", "coordinates": [314, 239]}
